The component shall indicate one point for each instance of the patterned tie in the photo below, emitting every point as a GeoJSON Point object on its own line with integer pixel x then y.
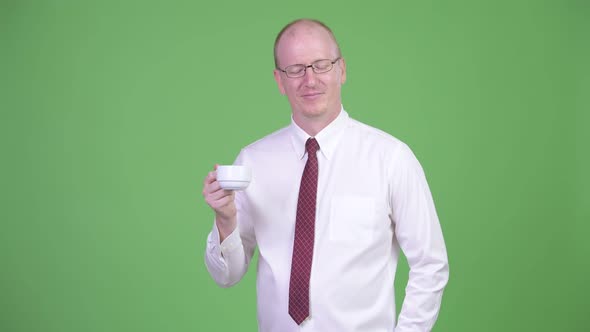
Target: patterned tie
{"type": "Point", "coordinates": [304, 236]}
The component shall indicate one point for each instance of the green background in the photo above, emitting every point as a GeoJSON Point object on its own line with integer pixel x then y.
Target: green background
{"type": "Point", "coordinates": [112, 113]}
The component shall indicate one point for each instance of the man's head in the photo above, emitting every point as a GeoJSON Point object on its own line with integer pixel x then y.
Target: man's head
{"type": "Point", "coordinates": [314, 97]}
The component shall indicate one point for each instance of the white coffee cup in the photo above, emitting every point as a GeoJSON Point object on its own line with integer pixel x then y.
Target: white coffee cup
{"type": "Point", "coordinates": [234, 177]}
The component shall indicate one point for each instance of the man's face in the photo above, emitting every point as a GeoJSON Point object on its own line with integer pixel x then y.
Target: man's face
{"type": "Point", "coordinates": [313, 95]}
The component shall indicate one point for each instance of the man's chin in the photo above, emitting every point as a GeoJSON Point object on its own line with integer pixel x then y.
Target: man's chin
{"type": "Point", "coordinates": [314, 113]}
{"type": "Point", "coordinates": [313, 109]}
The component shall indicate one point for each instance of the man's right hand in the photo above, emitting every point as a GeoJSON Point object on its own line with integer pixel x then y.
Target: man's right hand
{"type": "Point", "coordinates": [222, 202]}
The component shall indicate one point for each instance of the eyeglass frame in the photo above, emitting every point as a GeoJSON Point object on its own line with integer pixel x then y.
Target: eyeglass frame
{"type": "Point", "coordinates": [332, 62]}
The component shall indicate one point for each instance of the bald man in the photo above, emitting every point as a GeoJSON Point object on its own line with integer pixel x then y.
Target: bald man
{"type": "Point", "coordinates": [331, 203]}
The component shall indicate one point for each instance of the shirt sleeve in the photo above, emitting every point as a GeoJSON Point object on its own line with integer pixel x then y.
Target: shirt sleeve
{"type": "Point", "coordinates": [420, 237]}
{"type": "Point", "coordinates": [227, 261]}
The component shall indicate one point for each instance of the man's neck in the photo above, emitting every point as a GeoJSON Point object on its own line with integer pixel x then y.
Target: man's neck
{"type": "Point", "coordinates": [313, 125]}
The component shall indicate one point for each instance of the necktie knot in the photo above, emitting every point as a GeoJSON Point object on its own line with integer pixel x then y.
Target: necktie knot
{"type": "Point", "coordinates": [312, 146]}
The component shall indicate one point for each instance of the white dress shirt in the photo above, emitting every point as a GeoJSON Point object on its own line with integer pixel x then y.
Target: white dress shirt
{"type": "Point", "coordinates": [373, 199]}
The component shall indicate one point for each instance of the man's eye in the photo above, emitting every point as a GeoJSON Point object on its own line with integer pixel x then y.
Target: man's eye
{"type": "Point", "coordinates": [322, 65]}
{"type": "Point", "coordinates": [295, 69]}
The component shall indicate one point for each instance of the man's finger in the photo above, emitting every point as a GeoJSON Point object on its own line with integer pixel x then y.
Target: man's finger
{"type": "Point", "coordinates": [219, 194]}
{"type": "Point", "coordinates": [211, 177]}
{"type": "Point", "coordinates": [223, 201]}
{"type": "Point", "coordinates": [211, 187]}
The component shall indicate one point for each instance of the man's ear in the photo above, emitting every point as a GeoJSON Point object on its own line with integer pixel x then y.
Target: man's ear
{"type": "Point", "coordinates": [277, 75]}
{"type": "Point", "coordinates": [342, 65]}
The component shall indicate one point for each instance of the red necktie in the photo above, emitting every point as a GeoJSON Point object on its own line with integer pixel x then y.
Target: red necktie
{"type": "Point", "coordinates": [304, 236]}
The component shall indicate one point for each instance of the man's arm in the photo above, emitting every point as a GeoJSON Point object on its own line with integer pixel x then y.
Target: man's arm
{"type": "Point", "coordinates": [419, 235]}
{"type": "Point", "coordinates": [230, 245]}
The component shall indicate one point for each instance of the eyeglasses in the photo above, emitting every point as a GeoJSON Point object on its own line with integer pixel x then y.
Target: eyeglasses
{"type": "Point", "coordinates": [318, 67]}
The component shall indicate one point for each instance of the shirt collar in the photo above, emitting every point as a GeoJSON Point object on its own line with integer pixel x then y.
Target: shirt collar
{"type": "Point", "coordinates": [327, 138]}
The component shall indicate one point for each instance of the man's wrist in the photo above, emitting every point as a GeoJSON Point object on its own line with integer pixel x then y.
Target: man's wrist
{"type": "Point", "coordinates": [225, 226]}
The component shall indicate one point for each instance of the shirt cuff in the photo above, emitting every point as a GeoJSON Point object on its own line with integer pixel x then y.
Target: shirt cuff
{"type": "Point", "coordinates": [231, 242]}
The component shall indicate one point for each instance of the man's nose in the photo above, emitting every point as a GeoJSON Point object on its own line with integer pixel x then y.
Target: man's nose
{"type": "Point", "coordinates": [309, 77]}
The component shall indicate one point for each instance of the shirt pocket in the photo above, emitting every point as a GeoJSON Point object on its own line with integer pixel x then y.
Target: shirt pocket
{"type": "Point", "coordinates": [352, 219]}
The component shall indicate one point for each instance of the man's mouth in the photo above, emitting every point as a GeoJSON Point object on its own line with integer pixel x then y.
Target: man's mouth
{"type": "Point", "coordinates": [311, 95]}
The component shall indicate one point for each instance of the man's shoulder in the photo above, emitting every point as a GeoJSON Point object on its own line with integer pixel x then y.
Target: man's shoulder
{"type": "Point", "coordinates": [383, 144]}
{"type": "Point", "coordinates": [374, 136]}
{"type": "Point", "coordinates": [273, 141]}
